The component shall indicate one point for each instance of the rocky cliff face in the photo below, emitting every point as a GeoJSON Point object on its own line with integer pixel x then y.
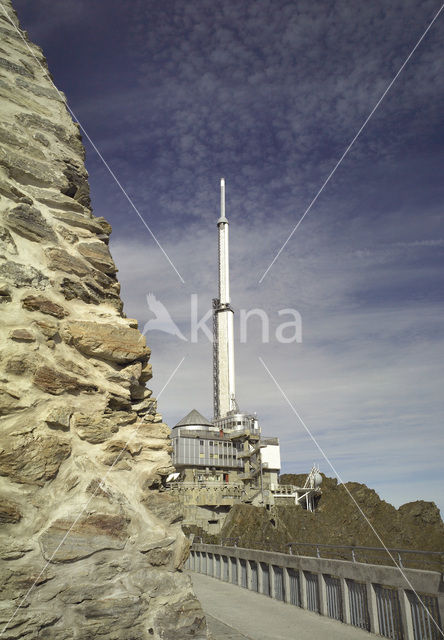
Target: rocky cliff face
{"type": "Point", "coordinates": [415, 525]}
{"type": "Point", "coordinates": [90, 544]}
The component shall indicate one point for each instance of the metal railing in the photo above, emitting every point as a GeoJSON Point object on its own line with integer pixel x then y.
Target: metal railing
{"type": "Point", "coordinates": [230, 542]}
{"type": "Point", "coordinates": [360, 554]}
{"type": "Point", "coordinates": [289, 489]}
{"type": "Point", "coordinates": [405, 558]}
{"type": "Point", "coordinates": [207, 484]}
{"type": "Point", "coordinates": [376, 598]}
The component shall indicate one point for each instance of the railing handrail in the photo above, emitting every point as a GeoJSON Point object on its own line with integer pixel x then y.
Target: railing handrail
{"type": "Point", "coordinates": [357, 547]}
{"type": "Point", "coordinates": [235, 540]}
{"type": "Point", "coordinates": [352, 548]}
{"type": "Point", "coordinates": [330, 546]}
{"type": "Point", "coordinates": [205, 484]}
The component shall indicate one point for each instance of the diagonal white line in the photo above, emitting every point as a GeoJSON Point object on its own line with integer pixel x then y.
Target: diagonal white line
{"type": "Point", "coordinates": [284, 395]}
{"type": "Point", "coordinates": [85, 507]}
{"type": "Point", "coordinates": [110, 171]}
{"type": "Point", "coordinates": [332, 172]}
{"type": "Point", "coordinates": [170, 378]}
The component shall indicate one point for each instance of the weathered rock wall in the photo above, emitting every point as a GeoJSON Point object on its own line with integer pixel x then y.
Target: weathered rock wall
{"type": "Point", "coordinates": [90, 544]}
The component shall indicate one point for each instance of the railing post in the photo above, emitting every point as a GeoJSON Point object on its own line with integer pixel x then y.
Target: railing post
{"type": "Point", "coordinates": [406, 615]}
{"type": "Point", "coordinates": [323, 609]}
{"type": "Point", "coordinates": [303, 584]}
{"type": "Point", "coordinates": [239, 572]}
{"type": "Point", "coordinates": [287, 594]}
{"type": "Point", "coordinates": [372, 608]}
{"type": "Point", "coordinates": [230, 570]}
{"type": "Point", "coordinates": [345, 601]}
{"type": "Point", "coordinates": [260, 578]}
{"type": "Point", "coordinates": [272, 582]}
{"type": "Point", "coordinates": [249, 576]}
{"type": "Point", "coordinates": [440, 597]}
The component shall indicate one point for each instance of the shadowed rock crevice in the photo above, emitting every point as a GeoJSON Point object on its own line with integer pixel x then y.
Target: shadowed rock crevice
{"type": "Point", "coordinates": [87, 532]}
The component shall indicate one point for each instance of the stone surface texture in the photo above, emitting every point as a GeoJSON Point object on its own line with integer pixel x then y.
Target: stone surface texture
{"type": "Point", "coordinates": [90, 544]}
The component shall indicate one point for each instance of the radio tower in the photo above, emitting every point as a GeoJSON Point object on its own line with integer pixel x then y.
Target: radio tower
{"type": "Point", "coordinates": [223, 342]}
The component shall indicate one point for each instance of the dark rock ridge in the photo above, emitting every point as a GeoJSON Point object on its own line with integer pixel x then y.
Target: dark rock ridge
{"type": "Point", "coordinates": [337, 521]}
{"type": "Point", "coordinates": [87, 535]}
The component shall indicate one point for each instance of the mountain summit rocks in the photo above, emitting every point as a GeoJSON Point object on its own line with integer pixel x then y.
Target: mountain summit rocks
{"type": "Point", "coordinates": [90, 543]}
{"type": "Point", "coordinates": [122, 345]}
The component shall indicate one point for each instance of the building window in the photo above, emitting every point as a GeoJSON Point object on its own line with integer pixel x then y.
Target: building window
{"type": "Point", "coordinates": [201, 443]}
{"type": "Point", "coordinates": [201, 455]}
{"type": "Point", "coordinates": [211, 443]}
{"type": "Point", "coordinates": [211, 455]}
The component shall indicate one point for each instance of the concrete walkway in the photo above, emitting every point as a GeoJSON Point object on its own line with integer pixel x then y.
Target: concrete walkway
{"type": "Point", "coordinates": [235, 613]}
{"type": "Point", "coordinates": [221, 631]}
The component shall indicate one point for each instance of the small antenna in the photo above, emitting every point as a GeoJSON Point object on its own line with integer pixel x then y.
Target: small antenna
{"type": "Point", "coordinates": [222, 197]}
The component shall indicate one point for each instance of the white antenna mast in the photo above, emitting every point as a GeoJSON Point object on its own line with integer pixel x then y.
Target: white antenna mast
{"type": "Point", "coordinates": [223, 332]}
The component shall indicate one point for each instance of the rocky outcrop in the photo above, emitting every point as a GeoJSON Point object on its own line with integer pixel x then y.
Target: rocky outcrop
{"type": "Point", "coordinates": [90, 544]}
{"type": "Point", "coordinates": [337, 521]}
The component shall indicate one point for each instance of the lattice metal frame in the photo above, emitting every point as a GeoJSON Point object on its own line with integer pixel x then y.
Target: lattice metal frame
{"type": "Point", "coordinates": [216, 306]}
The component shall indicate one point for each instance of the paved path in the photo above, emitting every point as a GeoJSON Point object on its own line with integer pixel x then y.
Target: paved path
{"type": "Point", "coordinates": [235, 613]}
{"type": "Point", "coordinates": [221, 631]}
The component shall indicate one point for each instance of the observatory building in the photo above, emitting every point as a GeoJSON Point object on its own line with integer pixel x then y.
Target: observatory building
{"type": "Point", "coordinates": [226, 460]}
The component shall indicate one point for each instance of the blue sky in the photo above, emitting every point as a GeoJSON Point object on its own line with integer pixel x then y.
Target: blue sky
{"type": "Point", "coordinates": [269, 94]}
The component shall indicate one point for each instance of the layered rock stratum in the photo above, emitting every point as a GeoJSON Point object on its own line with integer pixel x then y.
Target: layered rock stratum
{"type": "Point", "coordinates": [91, 547]}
